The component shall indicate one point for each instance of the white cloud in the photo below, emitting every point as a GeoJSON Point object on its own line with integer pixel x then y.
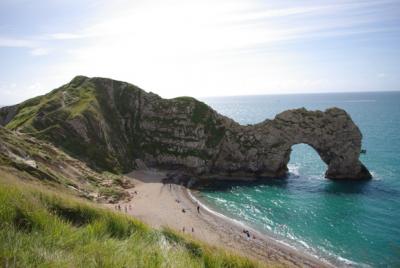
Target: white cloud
{"type": "Point", "coordinates": [13, 93]}
{"type": "Point", "coordinates": [172, 48]}
{"type": "Point", "coordinates": [40, 52]}
{"type": "Point", "coordinates": [65, 36]}
{"type": "Point", "coordinates": [7, 90]}
{"type": "Point", "coordinates": [14, 42]}
{"type": "Point", "coordinates": [206, 47]}
{"type": "Point", "coordinates": [35, 86]}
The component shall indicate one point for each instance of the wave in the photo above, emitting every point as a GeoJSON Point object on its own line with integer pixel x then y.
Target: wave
{"type": "Point", "coordinates": [294, 169]}
{"type": "Point", "coordinates": [352, 263]}
{"type": "Point", "coordinates": [375, 175]}
{"type": "Point", "coordinates": [194, 199]}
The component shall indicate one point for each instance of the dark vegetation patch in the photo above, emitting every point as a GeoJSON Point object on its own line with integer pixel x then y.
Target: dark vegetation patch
{"type": "Point", "coordinates": [76, 215]}
{"type": "Point", "coordinates": [200, 112]}
{"type": "Point", "coordinates": [112, 194]}
{"type": "Point", "coordinates": [51, 105]}
{"type": "Point", "coordinates": [22, 220]}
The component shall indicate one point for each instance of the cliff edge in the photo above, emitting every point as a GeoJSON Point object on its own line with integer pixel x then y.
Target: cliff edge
{"type": "Point", "coordinates": [116, 126]}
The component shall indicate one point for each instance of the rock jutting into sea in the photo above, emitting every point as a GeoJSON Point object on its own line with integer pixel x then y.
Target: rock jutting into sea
{"type": "Point", "coordinates": [111, 124]}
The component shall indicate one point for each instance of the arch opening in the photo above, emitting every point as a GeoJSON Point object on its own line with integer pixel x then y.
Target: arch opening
{"type": "Point", "coordinates": [304, 160]}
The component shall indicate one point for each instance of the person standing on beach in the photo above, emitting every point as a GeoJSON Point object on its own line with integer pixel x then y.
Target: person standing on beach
{"type": "Point", "coordinates": [198, 209]}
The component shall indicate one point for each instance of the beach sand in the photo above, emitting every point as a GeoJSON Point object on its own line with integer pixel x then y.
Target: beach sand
{"type": "Point", "coordinates": [172, 205]}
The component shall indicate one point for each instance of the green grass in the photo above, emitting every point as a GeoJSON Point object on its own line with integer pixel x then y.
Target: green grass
{"type": "Point", "coordinates": [84, 98]}
{"type": "Point", "coordinates": [24, 115]}
{"type": "Point", "coordinates": [41, 228]}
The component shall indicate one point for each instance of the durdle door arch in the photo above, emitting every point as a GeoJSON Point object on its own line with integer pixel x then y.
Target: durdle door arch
{"type": "Point", "coordinates": [332, 134]}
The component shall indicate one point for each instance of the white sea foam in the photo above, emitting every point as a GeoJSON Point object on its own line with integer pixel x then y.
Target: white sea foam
{"type": "Point", "coordinates": [294, 169]}
{"type": "Point", "coordinates": [375, 175]}
{"type": "Point", "coordinates": [304, 244]}
{"type": "Point", "coordinates": [194, 199]}
{"type": "Point", "coordinates": [220, 200]}
{"type": "Point", "coordinates": [351, 263]}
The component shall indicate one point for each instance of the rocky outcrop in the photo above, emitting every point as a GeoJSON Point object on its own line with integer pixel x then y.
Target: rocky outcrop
{"type": "Point", "coordinates": [7, 114]}
{"type": "Point", "coordinates": [112, 124]}
{"type": "Point", "coordinates": [264, 149]}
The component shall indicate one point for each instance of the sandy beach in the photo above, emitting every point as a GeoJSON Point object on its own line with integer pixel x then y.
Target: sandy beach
{"type": "Point", "coordinates": [172, 205]}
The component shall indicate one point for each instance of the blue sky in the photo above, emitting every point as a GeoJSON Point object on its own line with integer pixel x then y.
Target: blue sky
{"type": "Point", "coordinates": [201, 48]}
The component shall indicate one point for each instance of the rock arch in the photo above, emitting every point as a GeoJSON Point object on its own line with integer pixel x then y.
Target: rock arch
{"type": "Point", "coordinates": [264, 149]}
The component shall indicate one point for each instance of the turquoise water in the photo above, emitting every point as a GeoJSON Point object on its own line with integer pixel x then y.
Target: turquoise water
{"type": "Point", "coordinates": [345, 222]}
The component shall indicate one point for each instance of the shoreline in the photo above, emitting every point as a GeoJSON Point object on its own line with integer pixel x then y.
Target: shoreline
{"type": "Point", "coordinates": [162, 204]}
{"type": "Point", "coordinates": [342, 262]}
{"type": "Point", "coordinates": [283, 246]}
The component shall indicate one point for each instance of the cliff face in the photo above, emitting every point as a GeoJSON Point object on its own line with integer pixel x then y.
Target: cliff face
{"type": "Point", "coordinates": [264, 149]}
{"type": "Point", "coordinates": [110, 124]}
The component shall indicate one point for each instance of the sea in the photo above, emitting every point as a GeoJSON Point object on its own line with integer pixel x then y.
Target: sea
{"type": "Point", "coordinates": [347, 223]}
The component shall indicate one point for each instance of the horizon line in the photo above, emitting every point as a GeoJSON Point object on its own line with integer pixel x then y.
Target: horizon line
{"type": "Point", "coordinates": [240, 95]}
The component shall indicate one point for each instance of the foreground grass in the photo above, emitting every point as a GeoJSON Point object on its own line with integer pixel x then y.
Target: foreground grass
{"type": "Point", "coordinates": [39, 228]}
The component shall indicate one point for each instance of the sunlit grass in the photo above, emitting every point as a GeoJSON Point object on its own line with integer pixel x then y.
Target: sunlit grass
{"type": "Point", "coordinates": [41, 228]}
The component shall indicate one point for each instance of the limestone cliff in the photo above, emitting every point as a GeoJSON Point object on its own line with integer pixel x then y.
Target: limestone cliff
{"type": "Point", "coordinates": [110, 124]}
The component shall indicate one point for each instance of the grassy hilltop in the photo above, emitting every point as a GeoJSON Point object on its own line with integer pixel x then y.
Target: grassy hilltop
{"type": "Point", "coordinates": [109, 124]}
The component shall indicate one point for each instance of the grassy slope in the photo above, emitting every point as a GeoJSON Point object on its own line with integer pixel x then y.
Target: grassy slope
{"type": "Point", "coordinates": [95, 106]}
{"type": "Point", "coordinates": [45, 117]}
{"type": "Point", "coordinates": [41, 228]}
{"type": "Point", "coordinates": [55, 168]}
{"type": "Point", "coordinates": [43, 223]}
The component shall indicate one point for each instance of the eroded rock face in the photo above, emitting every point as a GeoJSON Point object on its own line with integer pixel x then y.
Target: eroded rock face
{"type": "Point", "coordinates": [264, 149]}
{"type": "Point", "coordinates": [7, 114]}
{"type": "Point", "coordinates": [112, 124]}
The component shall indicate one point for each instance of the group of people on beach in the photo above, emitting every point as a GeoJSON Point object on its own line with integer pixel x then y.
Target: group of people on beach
{"type": "Point", "coordinates": [184, 229]}
{"type": "Point", "coordinates": [126, 207]}
{"type": "Point", "coordinates": [184, 211]}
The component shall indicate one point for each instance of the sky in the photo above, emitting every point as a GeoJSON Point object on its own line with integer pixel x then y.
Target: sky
{"type": "Point", "coordinates": [200, 48]}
